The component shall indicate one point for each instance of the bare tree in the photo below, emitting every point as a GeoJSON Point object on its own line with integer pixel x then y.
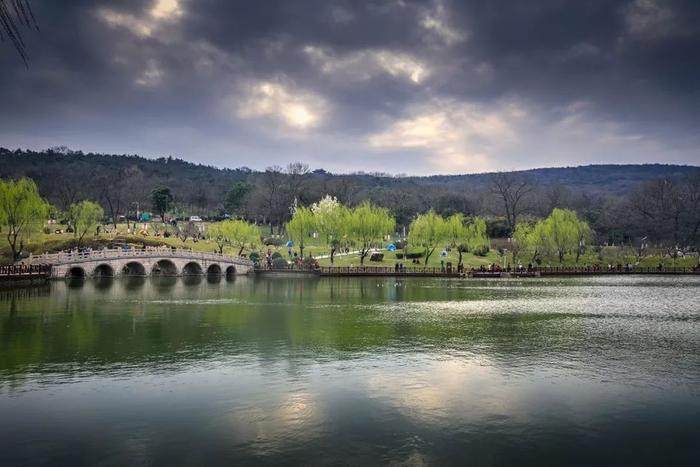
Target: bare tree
{"type": "Point", "coordinates": [297, 173]}
{"type": "Point", "coordinates": [270, 187]}
{"type": "Point", "coordinates": [670, 210]}
{"type": "Point", "coordinates": [512, 189]}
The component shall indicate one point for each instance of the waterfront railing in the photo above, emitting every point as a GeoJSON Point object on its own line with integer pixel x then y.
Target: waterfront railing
{"type": "Point", "coordinates": [116, 253]}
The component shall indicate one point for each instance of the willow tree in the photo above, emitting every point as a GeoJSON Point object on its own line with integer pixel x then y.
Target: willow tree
{"type": "Point", "coordinates": [428, 231]}
{"type": "Point", "coordinates": [566, 231]}
{"type": "Point", "coordinates": [22, 210]}
{"type": "Point", "coordinates": [331, 221]}
{"type": "Point", "coordinates": [533, 239]}
{"type": "Point", "coordinates": [301, 226]}
{"type": "Point", "coordinates": [456, 234]}
{"type": "Point", "coordinates": [84, 216]}
{"type": "Point", "coordinates": [520, 241]}
{"type": "Point", "coordinates": [584, 235]}
{"type": "Point", "coordinates": [367, 225]}
{"type": "Point", "coordinates": [476, 239]}
{"type": "Point", "coordinates": [237, 233]}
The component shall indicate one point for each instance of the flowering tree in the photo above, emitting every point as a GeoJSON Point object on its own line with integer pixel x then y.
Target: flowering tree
{"type": "Point", "coordinates": [331, 219]}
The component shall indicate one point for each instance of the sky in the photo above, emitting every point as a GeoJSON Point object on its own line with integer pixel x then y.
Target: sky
{"type": "Point", "coordinates": [400, 86]}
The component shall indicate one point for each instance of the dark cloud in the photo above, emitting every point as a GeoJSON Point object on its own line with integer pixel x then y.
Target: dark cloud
{"type": "Point", "coordinates": [403, 86]}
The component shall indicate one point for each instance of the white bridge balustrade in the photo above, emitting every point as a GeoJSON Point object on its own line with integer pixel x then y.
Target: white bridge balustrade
{"type": "Point", "coordinates": [139, 262]}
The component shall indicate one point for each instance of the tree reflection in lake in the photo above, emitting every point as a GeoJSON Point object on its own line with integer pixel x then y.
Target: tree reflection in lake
{"type": "Point", "coordinates": [258, 370]}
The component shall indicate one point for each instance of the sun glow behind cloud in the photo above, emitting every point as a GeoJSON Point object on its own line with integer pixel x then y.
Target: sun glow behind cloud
{"type": "Point", "coordinates": [146, 24]}
{"type": "Point", "coordinates": [454, 135]}
{"type": "Point", "coordinates": [294, 109]}
{"type": "Point", "coordinates": [166, 9]}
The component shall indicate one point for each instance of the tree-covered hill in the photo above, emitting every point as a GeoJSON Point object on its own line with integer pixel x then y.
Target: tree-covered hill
{"type": "Point", "coordinates": [658, 201]}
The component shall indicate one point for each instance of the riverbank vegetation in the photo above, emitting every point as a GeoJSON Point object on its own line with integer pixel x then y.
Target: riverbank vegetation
{"type": "Point", "coordinates": [505, 218]}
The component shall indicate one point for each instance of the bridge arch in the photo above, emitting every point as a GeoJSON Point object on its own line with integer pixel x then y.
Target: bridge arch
{"type": "Point", "coordinates": [76, 271]}
{"type": "Point", "coordinates": [192, 269]}
{"type": "Point", "coordinates": [103, 270]}
{"type": "Point", "coordinates": [214, 270]}
{"type": "Point", "coordinates": [164, 267]}
{"type": "Point", "coordinates": [231, 270]}
{"type": "Point", "coordinates": [134, 268]}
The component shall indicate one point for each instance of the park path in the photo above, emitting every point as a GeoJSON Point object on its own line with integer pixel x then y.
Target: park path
{"type": "Point", "coordinates": [338, 254]}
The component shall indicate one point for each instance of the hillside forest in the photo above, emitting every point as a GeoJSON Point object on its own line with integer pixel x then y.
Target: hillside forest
{"type": "Point", "coordinates": [654, 206]}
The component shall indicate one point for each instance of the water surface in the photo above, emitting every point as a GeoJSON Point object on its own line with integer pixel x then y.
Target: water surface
{"type": "Point", "coordinates": [269, 371]}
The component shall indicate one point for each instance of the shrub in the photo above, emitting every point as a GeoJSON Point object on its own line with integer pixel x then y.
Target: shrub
{"type": "Point", "coordinates": [411, 255]}
{"type": "Point", "coordinates": [483, 251]}
{"type": "Point", "coordinates": [46, 230]}
{"type": "Point", "coordinates": [377, 257]}
{"type": "Point", "coordinates": [270, 241]}
{"type": "Point", "coordinates": [254, 256]}
{"type": "Point", "coordinates": [280, 263]}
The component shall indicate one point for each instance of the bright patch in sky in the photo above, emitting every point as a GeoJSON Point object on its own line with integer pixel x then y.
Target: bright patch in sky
{"type": "Point", "coordinates": [366, 64]}
{"type": "Point", "coordinates": [165, 9]}
{"type": "Point", "coordinates": [293, 108]}
{"type": "Point", "coordinates": [458, 136]}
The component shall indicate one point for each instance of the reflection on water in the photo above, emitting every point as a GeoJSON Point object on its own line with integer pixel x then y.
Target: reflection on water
{"type": "Point", "coordinates": [219, 371]}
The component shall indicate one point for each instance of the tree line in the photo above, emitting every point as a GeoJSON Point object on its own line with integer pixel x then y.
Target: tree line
{"type": "Point", "coordinates": [657, 205]}
{"type": "Point", "coordinates": [23, 212]}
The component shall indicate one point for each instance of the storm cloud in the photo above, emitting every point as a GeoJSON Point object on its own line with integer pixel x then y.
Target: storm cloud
{"type": "Point", "coordinates": [396, 86]}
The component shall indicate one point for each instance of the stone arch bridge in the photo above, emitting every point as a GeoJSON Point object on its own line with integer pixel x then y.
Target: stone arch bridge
{"type": "Point", "coordinates": [134, 262]}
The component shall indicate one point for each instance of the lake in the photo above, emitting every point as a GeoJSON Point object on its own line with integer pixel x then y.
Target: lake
{"type": "Point", "coordinates": [351, 371]}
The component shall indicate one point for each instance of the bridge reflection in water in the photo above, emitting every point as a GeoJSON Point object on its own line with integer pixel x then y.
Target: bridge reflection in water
{"type": "Point", "coordinates": [150, 261]}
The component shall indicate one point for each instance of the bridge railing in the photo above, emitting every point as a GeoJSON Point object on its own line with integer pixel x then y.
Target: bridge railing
{"type": "Point", "coordinates": [25, 269]}
{"type": "Point", "coordinates": [117, 253]}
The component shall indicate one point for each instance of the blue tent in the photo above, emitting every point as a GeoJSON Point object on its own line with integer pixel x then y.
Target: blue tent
{"type": "Point", "coordinates": [290, 244]}
{"type": "Point", "coordinates": [391, 247]}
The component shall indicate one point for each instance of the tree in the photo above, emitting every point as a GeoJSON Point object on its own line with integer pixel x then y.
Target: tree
{"type": "Point", "coordinates": [218, 234]}
{"type": "Point", "coordinates": [297, 173]}
{"type": "Point", "coordinates": [237, 233]}
{"type": "Point", "coordinates": [534, 239]}
{"type": "Point", "coordinates": [331, 221]}
{"type": "Point", "coordinates": [512, 189]}
{"type": "Point", "coordinates": [300, 227]}
{"type": "Point", "coordinates": [111, 191]}
{"type": "Point", "coordinates": [562, 227]}
{"type": "Point", "coordinates": [670, 211]}
{"type": "Point", "coordinates": [236, 197]}
{"type": "Point", "coordinates": [428, 230]}
{"type": "Point", "coordinates": [456, 234]}
{"type": "Point", "coordinates": [521, 239]}
{"type": "Point", "coordinates": [161, 200]}
{"type": "Point", "coordinates": [23, 210]}
{"type": "Point", "coordinates": [273, 200]}
{"type": "Point", "coordinates": [584, 235]}
{"type": "Point", "coordinates": [367, 225]}
{"type": "Point", "coordinates": [476, 239]}
{"type": "Point", "coordinates": [84, 216]}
